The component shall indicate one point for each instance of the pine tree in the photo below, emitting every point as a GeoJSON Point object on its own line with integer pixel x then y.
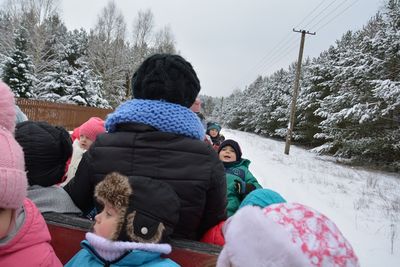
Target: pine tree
{"type": "Point", "coordinates": [71, 80]}
{"type": "Point", "coordinates": [18, 68]}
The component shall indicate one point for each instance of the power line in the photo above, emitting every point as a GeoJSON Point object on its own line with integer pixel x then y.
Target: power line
{"type": "Point", "coordinates": [275, 55]}
{"type": "Point", "coordinates": [266, 58]}
{"type": "Point", "coordinates": [272, 62]}
{"type": "Point", "coordinates": [320, 13]}
{"type": "Point", "coordinates": [344, 10]}
{"type": "Point", "coordinates": [309, 14]}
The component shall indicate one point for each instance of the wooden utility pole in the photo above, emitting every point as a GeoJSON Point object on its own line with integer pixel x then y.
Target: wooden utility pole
{"type": "Point", "coordinates": [295, 91]}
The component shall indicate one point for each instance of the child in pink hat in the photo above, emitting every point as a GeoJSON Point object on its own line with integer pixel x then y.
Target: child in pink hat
{"type": "Point", "coordinates": [284, 234]}
{"type": "Point", "coordinates": [23, 231]}
{"type": "Point", "coordinates": [88, 132]}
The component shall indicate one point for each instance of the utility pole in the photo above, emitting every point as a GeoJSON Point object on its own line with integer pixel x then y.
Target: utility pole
{"type": "Point", "coordinates": [295, 91]}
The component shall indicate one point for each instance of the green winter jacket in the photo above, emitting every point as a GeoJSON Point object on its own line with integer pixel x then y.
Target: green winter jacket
{"type": "Point", "coordinates": [238, 170]}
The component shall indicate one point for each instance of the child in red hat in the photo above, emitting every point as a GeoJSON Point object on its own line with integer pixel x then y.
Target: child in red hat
{"type": "Point", "coordinates": [88, 132]}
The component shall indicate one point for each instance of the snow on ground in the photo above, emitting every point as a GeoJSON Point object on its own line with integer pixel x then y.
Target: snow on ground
{"type": "Point", "coordinates": [365, 205]}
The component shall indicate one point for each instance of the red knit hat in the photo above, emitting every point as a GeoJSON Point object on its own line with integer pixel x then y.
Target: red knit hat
{"type": "Point", "coordinates": [92, 128]}
{"type": "Point", "coordinates": [13, 181]}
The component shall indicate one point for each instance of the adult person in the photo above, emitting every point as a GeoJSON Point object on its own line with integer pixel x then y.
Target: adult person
{"type": "Point", "coordinates": [156, 135]}
{"type": "Point", "coordinates": [196, 108]}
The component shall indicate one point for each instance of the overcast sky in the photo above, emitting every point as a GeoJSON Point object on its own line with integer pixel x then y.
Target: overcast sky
{"type": "Point", "coordinates": [230, 42]}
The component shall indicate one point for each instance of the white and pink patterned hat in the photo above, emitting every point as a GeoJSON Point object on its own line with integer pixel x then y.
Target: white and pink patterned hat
{"type": "Point", "coordinates": [284, 234]}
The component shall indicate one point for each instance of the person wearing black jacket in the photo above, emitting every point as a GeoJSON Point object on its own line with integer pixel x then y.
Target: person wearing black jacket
{"type": "Point", "coordinates": [156, 135]}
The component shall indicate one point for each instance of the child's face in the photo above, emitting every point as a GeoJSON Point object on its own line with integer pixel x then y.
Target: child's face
{"type": "Point", "coordinates": [213, 132]}
{"type": "Point", "coordinates": [5, 221]}
{"type": "Point", "coordinates": [85, 142]}
{"type": "Point", "coordinates": [227, 154]}
{"type": "Point", "coordinates": [106, 221]}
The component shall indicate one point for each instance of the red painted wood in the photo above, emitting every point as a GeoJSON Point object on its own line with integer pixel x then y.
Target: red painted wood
{"type": "Point", "coordinates": [66, 243]}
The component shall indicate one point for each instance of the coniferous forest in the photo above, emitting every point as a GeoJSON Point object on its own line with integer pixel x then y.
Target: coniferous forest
{"type": "Point", "coordinates": [349, 100]}
{"type": "Point", "coordinates": [348, 105]}
{"type": "Point", "coordinates": [41, 59]}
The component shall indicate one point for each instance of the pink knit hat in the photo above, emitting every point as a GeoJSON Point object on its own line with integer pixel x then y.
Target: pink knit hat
{"type": "Point", "coordinates": [285, 234]}
{"type": "Point", "coordinates": [7, 107]}
{"type": "Point", "coordinates": [92, 128]}
{"type": "Point", "coordinates": [13, 181]}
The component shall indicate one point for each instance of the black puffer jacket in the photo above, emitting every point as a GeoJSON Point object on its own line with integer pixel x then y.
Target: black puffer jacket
{"type": "Point", "coordinates": [190, 166]}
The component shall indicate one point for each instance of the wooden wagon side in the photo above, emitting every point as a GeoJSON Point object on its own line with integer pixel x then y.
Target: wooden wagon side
{"type": "Point", "coordinates": [67, 231]}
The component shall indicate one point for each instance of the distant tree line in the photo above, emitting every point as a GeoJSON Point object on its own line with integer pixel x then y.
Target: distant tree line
{"type": "Point", "coordinates": [349, 104]}
{"type": "Point", "coordinates": [41, 59]}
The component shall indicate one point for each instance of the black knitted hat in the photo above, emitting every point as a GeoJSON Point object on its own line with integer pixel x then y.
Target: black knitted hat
{"type": "Point", "coordinates": [149, 208]}
{"type": "Point", "coordinates": [46, 150]}
{"type": "Point", "coordinates": [166, 77]}
{"type": "Point", "coordinates": [234, 145]}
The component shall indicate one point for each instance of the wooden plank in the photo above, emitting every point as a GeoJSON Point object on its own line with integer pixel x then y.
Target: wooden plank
{"type": "Point", "coordinates": [68, 116]}
{"type": "Point", "coordinates": [67, 231]}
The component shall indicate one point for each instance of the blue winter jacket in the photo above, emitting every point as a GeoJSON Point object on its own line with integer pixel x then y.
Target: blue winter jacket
{"type": "Point", "coordinates": [87, 256]}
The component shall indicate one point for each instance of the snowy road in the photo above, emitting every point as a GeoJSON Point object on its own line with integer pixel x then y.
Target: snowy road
{"type": "Point", "coordinates": [364, 204]}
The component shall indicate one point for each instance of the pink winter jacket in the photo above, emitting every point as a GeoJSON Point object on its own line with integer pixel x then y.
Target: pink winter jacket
{"type": "Point", "coordinates": [31, 245]}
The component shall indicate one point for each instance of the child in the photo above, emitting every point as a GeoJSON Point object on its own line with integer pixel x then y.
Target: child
{"type": "Point", "coordinates": [131, 225]}
{"type": "Point", "coordinates": [239, 180]}
{"type": "Point", "coordinates": [285, 234]}
{"type": "Point", "coordinates": [88, 132]}
{"type": "Point", "coordinates": [46, 148]}
{"type": "Point", "coordinates": [24, 237]}
{"type": "Point", "coordinates": [46, 151]}
{"type": "Point", "coordinates": [213, 130]}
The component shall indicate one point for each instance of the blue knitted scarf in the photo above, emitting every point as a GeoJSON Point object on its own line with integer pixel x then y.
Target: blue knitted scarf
{"type": "Point", "coordinates": [164, 116]}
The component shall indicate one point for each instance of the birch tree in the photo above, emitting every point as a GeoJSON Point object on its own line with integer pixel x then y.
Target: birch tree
{"type": "Point", "coordinates": [108, 53]}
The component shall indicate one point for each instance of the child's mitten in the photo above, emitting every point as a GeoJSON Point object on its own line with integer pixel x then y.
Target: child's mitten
{"type": "Point", "coordinates": [243, 188]}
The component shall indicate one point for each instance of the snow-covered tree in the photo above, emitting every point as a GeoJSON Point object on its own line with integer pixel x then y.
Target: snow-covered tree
{"type": "Point", "coordinates": [108, 54]}
{"type": "Point", "coordinates": [349, 99]}
{"type": "Point", "coordinates": [18, 68]}
{"type": "Point", "coordinates": [71, 80]}
{"type": "Point", "coordinates": [164, 41]}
